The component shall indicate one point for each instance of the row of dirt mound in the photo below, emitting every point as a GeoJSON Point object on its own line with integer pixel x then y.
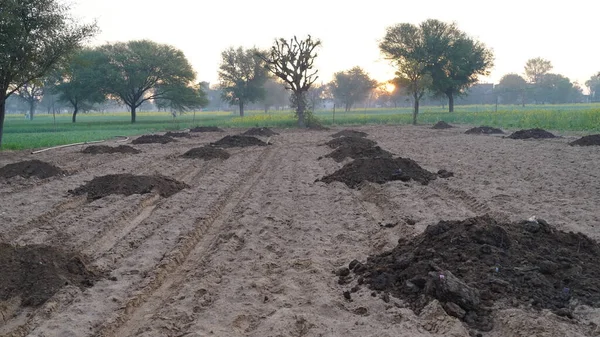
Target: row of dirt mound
{"type": "Point", "coordinates": [128, 184]}
{"type": "Point", "coordinates": [206, 129]}
{"type": "Point", "coordinates": [151, 139]}
{"type": "Point", "coordinates": [478, 265]}
{"type": "Point", "coordinates": [238, 141]}
{"type": "Point", "coordinates": [206, 153]}
{"type": "Point", "coordinates": [484, 130]}
{"type": "Point", "coordinates": [531, 133]}
{"type": "Point", "coordinates": [265, 132]}
{"type": "Point", "coordinates": [101, 149]}
{"type": "Point", "coordinates": [177, 134]}
{"type": "Point", "coordinates": [35, 273]}
{"type": "Point", "coordinates": [349, 133]}
{"type": "Point", "coordinates": [30, 168]}
{"type": "Point", "coordinates": [587, 141]}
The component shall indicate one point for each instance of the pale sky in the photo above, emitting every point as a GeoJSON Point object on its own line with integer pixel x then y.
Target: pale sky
{"type": "Point", "coordinates": [563, 32]}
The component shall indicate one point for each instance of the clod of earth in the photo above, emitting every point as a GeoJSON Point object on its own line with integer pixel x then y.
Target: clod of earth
{"type": "Point", "coordinates": [442, 125]}
{"type": "Point", "coordinates": [473, 265]}
{"type": "Point", "coordinates": [35, 273]}
{"type": "Point", "coordinates": [349, 133]}
{"type": "Point", "coordinates": [483, 130]}
{"type": "Point", "coordinates": [380, 171]}
{"type": "Point", "coordinates": [350, 141]}
{"type": "Point", "coordinates": [177, 134]}
{"type": "Point", "coordinates": [206, 129]}
{"type": "Point", "coordinates": [149, 139]}
{"type": "Point", "coordinates": [238, 141]}
{"type": "Point", "coordinates": [100, 149]}
{"type": "Point", "coordinates": [266, 132]}
{"type": "Point", "coordinates": [128, 184]}
{"type": "Point", "coordinates": [358, 150]}
{"type": "Point", "coordinates": [587, 141]}
{"type": "Point", "coordinates": [30, 168]}
{"type": "Point", "coordinates": [206, 153]}
{"type": "Point", "coordinates": [531, 133]}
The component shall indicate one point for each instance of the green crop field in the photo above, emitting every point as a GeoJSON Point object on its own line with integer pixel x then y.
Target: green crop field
{"type": "Point", "coordinates": [45, 131]}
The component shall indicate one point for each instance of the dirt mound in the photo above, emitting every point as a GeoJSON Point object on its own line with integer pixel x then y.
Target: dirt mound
{"type": "Point", "coordinates": [35, 273]}
{"type": "Point", "coordinates": [100, 149]}
{"type": "Point", "coordinates": [350, 141]}
{"type": "Point", "coordinates": [442, 125]}
{"type": "Point", "coordinates": [349, 133]}
{"type": "Point", "coordinates": [358, 151]}
{"type": "Point", "coordinates": [206, 129]}
{"type": "Point", "coordinates": [531, 133]}
{"type": "Point", "coordinates": [177, 134]}
{"type": "Point", "coordinates": [380, 171]}
{"type": "Point", "coordinates": [149, 139]}
{"type": "Point", "coordinates": [483, 130]}
{"type": "Point", "coordinates": [587, 141]}
{"type": "Point", "coordinates": [266, 132]}
{"type": "Point", "coordinates": [238, 141]}
{"type": "Point", "coordinates": [30, 168]}
{"type": "Point", "coordinates": [206, 153]}
{"type": "Point", "coordinates": [128, 184]}
{"type": "Point", "coordinates": [473, 264]}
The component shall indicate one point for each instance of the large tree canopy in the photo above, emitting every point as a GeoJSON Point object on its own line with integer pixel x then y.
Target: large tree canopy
{"type": "Point", "coordinates": [242, 76]}
{"type": "Point", "coordinates": [34, 36]}
{"type": "Point", "coordinates": [536, 68]}
{"type": "Point", "coordinates": [143, 70]}
{"type": "Point", "coordinates": [352, 86]}
{"type": "Point", "coordinates": [593, 85]}
{"type": "Point", "coordinates": [292, 61]}
{"type": "Point", "coordinates": [512, 89]}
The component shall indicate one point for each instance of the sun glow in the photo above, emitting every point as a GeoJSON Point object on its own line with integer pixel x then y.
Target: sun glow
{"type": "Point", "coordinates": [389, 87]}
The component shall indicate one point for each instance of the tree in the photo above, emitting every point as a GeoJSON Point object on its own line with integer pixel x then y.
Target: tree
{"type": "Point", "coordinates": [181, 98]}
{"type": "Point", "coordinates": [31, 93]}
{"type": "Point", "coordinates": [292, 61]}
{"type": "Point", "coordinates": [593, 85]}
{"type": "Point", "coordinates": [79, 81]}
{"type": "Point", "coordinates": [536, 68]}
{"type": "Point", "coordinates": [275, 94]}
{"type": "Point", "coordinates": [404, 46]}
{"type": "Point", "coordinates": [242, 75]}
{"type": "Point", "coordinates": [34, 36]}
{"type": "Point", "coordinates": [555, 89]}
{"type": "Point", "coordinates": [352, 86]}
{"type": "Point", "coordinates": [512, 88]}
{"type": "Point", "coordinates": [454, 60]}
{"type": "Point", "coordinates": [144, 70]}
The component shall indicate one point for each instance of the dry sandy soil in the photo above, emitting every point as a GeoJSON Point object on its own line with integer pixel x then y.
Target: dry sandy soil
{"type": "Point", "coordinates": [250, 247]}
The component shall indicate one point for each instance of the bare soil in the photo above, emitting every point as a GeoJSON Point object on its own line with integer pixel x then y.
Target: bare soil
{"type": "Point", "coordinates": [206, 129]}
{"type": "Point", "coordinates": [349, 133]}
{"type": "Point", "coordinates": [238, 141]}
{"type": "Point", "coordinates": [587, 141]}
{"type": "Point", "coordinates": [30, 168]}
{"type": "Point", "coordinates": [442, 125]}
{"type": "Point", "coordinates": [255, 244]}
{"type": "Point", "coordinates": [150, 139]}
{"type": "Point", "coordinates": [531, 133]}
{"type": "Point", "coordinates": [265, 132]}
{"type": "Point", "coordinates": [101, 149]}
{"type": "Point", "coordinates": [484, 130]}
{"type": "Point", "coordinates": [128, 184]}
{"type": "Point", "coordinates": [206, 153]}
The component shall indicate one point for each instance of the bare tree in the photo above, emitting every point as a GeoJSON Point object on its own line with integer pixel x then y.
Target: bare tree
{"type": "Point", "coordinates": [292, 61]}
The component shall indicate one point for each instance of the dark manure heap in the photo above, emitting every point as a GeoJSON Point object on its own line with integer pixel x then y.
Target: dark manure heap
{"type": "Point", "coordinates": [357, 151]}
{"type": "Point", "coordinates": [30, 168]}
{"type": "Point", "coordinates": [150, 139]}
{"type": "Point", "coordinates": [177, 134]}
{"type": "Point", "coordinates": [206, 153]}
{"type": "Point", "coordinates": [206, 129]}
{"type": "Point", "coordinates": [238, 141]}
{"type": "Point", "coordinates": [349, 133]}
{"type": "Point", "coordinates": [531, 133]}
{"type": "Point", "coordinates": [586, 141]}
{"type": "Point", "coordinates": [265, 132]}
{"type": "Point", "coordinates": [35, 273]}
{"type": "Point", "coordinates": [484, 130]}
{"type": "Point", "coordinates": [128, 184]}
{"type": "Point", "coordinates": [442, 125]}
{"type": "Point", "coordinates": [101, 149]}
{"type": "Point", "coordinates": [477, 265]}
{"type": "Point", "coordinates": [380, 171]}
{"type": "Point", "coordinates": [350, 141]}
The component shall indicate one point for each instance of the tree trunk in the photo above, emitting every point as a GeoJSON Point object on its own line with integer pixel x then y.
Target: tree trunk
{"type": "Point", "coordinates": [241, 108]}
{"type": "Point", "coordinates": [450, 101]}
{"type": "Point", "coordinates": [31, 110]}
{"type": "Point", "coordinates": [416, 110]}
{"type": "Point", "coordinates": [301, 106]}
{"type": "Point", "coordinates": [133, 107]}
{"type": "Point", "coordinates": [75, 114]}
{"type": "Point", "coordinates": [2, 112]}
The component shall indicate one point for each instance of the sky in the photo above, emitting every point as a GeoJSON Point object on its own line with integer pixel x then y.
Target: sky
{"type": "Point", "coordinates": [563, 32]}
